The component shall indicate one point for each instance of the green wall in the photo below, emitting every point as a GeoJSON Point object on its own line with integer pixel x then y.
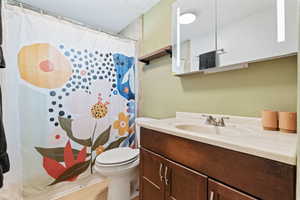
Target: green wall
{"type": "Point", "coordinates": [264, 85]}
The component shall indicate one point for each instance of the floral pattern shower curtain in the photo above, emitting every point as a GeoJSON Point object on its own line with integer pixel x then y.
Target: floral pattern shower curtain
{"type": "Point", "coordinates": [75, 91]}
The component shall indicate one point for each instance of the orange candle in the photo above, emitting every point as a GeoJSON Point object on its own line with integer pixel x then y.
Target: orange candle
{"type": "Point", "coordinates": [270, 120]}
{"type": "Point", "coordinates": [288, 122]}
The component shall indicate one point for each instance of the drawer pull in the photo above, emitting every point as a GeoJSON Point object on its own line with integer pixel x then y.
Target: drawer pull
{"type": "Point", "coordinates": [160, 172]}
{"type": "Point", "coordinates": [166, 174]}
{"type": "Point", "coordinates": [212, 194]}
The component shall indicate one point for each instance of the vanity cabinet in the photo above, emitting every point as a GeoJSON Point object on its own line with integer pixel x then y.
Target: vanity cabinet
{"type": "Point", "coordinates": [162, 179]}
{"type": "Point", "coordinates": [175, 168]}
{"type": "Point", "coordinates": [183, 183]}
{"type": "Point", "coordinates": [151, 176]}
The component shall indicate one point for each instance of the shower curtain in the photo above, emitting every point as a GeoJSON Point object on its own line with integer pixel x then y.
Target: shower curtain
{"type": "Point", "coordinates": [69, 95]}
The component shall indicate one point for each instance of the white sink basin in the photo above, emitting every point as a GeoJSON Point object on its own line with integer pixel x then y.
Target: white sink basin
{"type": "Point", "coordinates": [206, 129]}
{"type": "Point", "coordinates": [197, 129]}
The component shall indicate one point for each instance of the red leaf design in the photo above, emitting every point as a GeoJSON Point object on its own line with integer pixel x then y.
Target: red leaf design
{"type": "Point", "coordinates": [56, 170]}
{"type": "Point", "coordinates": [53, 168]}
{"type": "Point", "coordinates": [81, 155]}
{"type": "Point", "coordinates": [68, 155]}
{"type": "Point", "coordinates": [72, 179]}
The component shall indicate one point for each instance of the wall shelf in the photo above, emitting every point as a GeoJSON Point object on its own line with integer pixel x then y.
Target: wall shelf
{"type": "Point", "coordinates": [156, 54]}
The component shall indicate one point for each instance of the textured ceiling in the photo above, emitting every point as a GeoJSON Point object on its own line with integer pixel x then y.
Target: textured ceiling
{"type": "Point", "coordinates": [109, 15]}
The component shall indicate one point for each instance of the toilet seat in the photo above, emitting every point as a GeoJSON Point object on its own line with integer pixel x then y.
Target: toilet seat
{"type": "Point", "coordinates": [117, 157]}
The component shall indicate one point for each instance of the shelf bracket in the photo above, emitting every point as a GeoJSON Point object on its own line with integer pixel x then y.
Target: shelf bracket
{"type": "Point", "coordinates": [169, 52]}
{"type": "Point", "coordinates": [147, 62]}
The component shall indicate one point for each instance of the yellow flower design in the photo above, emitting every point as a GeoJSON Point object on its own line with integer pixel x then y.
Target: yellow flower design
{"type": "Point", "coordinates": [99, 110]}
{"type": "Point", "coordinates": [100, 150]}
{"type": "Point", "coordinates": [122, 124]}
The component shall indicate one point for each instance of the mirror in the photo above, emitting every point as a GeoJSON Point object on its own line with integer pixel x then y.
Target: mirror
{"type": "Point", "coordinates": [218, 35]}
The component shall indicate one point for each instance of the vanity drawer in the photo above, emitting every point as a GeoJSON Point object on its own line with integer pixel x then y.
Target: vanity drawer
{"type": "Point", "coordinates": [218, 191]}
{"type": "Point", "coordinates": [260, 177]}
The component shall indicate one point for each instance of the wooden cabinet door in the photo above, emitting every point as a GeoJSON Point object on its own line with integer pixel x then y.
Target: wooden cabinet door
{"type": "Point", "coordinates": [184, 184]}
{"type": "Point", "coordinates": [151, 176]}
{"type": "Point", "coordinates": [218, 191]}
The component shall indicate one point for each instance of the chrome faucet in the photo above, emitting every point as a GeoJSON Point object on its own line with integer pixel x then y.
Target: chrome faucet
{"type": "Point", "coordinates": [210, 120]}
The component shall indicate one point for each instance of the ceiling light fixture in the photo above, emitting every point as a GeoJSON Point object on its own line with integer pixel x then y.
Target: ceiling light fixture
{"type": "Point", "coordinates": [187, 18]}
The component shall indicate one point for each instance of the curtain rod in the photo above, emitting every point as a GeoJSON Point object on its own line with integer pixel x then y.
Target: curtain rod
{"type": "Point", "coordinates": [52, 14]}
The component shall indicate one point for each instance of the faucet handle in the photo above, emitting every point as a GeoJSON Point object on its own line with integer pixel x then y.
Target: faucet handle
{"type": "Point", "coordinates": [210, 120]}
{"type": "Point", "coordinates": [215, 121]}
{"type": "Point", "coordinates": [221, 121]}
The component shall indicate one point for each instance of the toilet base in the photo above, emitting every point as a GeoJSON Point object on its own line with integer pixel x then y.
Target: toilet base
{"type": "Point", "coordinates": [119, 188]}
{"type": "Point", "coordinates": [120, 178]}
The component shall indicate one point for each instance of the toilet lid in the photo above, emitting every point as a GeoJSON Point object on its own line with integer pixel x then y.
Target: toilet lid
{"type": "Point", "coordinates": [118, 156]}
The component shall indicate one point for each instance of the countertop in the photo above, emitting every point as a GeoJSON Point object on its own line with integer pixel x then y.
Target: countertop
{"type": "Point", "coordinates": [248, 136]}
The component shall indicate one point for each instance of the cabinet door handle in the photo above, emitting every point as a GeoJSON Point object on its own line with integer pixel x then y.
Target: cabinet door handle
{"type": "Point", "coordinates": [160, 172]}
{"type": "Point", "coordinates": [166, 174]}
{"type": "Point", "coordinates": [212, 194]}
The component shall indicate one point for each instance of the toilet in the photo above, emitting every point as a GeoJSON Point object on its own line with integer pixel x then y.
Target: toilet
{"type": "Point", "coordinates": [120, 166]}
